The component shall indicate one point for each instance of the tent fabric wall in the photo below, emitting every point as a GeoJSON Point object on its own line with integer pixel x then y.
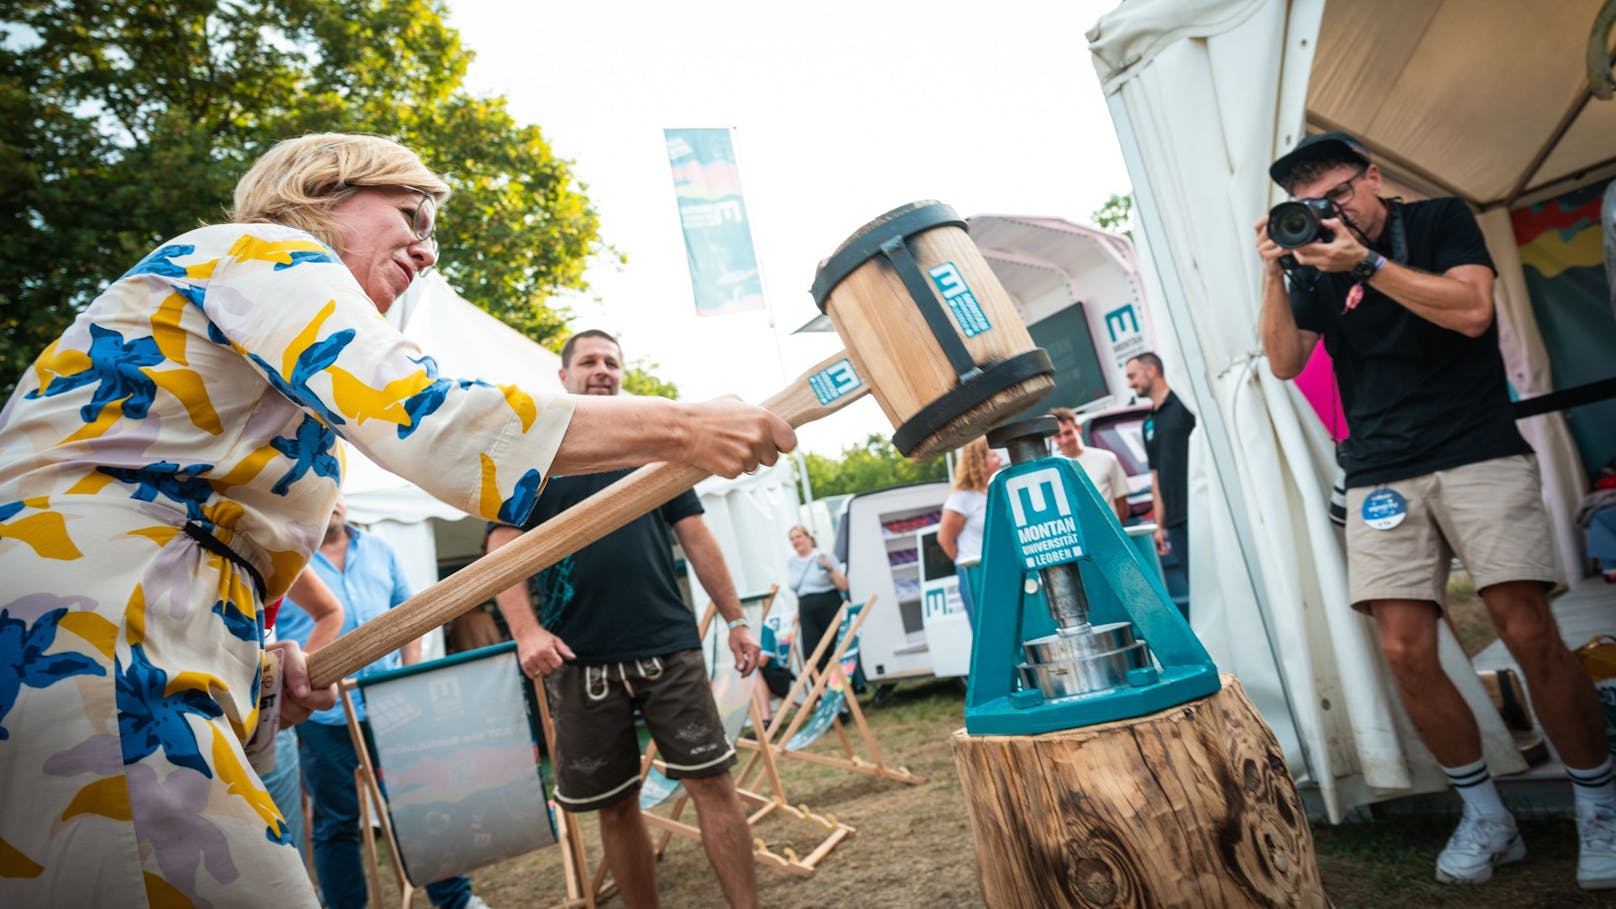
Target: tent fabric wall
{"type": "Point", "coordinates": [750, 515]}
{"type": "Point", "coordinates": [1204, 96]}
{"type": "Point", "coordinates": [1527, 363]}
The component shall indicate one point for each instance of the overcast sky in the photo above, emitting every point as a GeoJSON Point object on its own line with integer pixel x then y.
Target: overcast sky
{"type": "Point", "coordinates": [841, 110]}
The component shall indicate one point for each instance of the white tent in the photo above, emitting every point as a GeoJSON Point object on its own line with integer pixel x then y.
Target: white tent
{"type": "Point", "coordinates": [1047, 264]}
{"type": "Point", "coordinates": [1481, 99]}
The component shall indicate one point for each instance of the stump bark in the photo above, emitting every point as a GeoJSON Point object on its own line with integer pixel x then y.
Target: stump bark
{"type": "Point", "coordinates": [1192, 806]}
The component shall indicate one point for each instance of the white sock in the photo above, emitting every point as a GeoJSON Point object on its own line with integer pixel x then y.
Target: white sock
{"type": "Point", "coordinates": [1594, 786]}
{"type": "Point", "coordinates": [1475, 785]}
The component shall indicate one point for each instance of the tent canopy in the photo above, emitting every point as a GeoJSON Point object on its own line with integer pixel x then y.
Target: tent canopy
{"type": "Point", "coordinates": [1488, 101]}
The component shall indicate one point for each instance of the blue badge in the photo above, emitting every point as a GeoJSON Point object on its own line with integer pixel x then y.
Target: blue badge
{"type": "Point", "coordinates": [1384, 509]}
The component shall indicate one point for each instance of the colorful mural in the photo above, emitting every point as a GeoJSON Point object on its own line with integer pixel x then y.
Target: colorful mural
{"type": "Point", "coordinates": [1562, 259]}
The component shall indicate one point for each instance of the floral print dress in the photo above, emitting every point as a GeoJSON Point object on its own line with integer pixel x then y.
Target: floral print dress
{"type": "Point", "coordinates": [167, 465]}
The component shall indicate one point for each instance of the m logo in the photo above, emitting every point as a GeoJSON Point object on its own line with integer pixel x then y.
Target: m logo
{"type": "Point", "coordinates": [962, 302]}
{"type": "Point", "coordinates": [835, 381]}
{"type": "Point", "coordinates": [1045, 526]}
{"type": "Point", "coordinates": [1040, 486]}
{"type": "Point", "coordinates": [1121, 322]}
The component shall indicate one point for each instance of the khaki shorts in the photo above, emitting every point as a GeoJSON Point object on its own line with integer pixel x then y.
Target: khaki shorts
{"type": "Point", "coordinates": [1490, 514]}
{"type": "Point", "coordinates": [597, 760]}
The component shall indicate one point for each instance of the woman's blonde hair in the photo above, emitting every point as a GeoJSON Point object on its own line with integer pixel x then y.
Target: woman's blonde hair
{"type": "Point", "coordinates": [972, 470]}
{"type": "Point", "coordinates": [299, 181]}
{"type": "Point", "coordinates": [805, 532]}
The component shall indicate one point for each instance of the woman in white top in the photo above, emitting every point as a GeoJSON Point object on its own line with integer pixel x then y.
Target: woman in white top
{"type": "Point", "coordinates": [965, 510]}
{"type": "Point", "coordinates": [817, 581]}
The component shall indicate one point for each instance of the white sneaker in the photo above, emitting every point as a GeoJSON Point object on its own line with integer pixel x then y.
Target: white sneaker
{"type": "Point", "coordinates": [1480, 844]}
{"type": "Point", "coordinates": [1596, 859]}
{"type": "Point", "coordinates": [476, 902]}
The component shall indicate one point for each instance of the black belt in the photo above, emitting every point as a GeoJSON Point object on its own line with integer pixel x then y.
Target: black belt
{"type": "Point", "coordinates": [212, 544]}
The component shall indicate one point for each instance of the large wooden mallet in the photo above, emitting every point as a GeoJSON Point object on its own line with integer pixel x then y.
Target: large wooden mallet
{"type": "Point", "coordinates": [650, 486]}
{"type": "Point", "coordinates": [929, 331]}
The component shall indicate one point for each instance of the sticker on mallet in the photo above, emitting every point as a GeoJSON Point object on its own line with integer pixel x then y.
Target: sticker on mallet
{"type": "Point", "coordinates": [838, 380]}
{"type": "Point", "coordinates": [1384, 509]}
{"type": "Point", "coordinates": [961, 301]}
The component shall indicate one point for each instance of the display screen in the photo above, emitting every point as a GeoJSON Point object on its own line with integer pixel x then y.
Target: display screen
{"type": "Point", "coordinates": [934, 563]}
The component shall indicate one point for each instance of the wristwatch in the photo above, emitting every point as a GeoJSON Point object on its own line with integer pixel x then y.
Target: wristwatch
{"type": "Point", "coordinates": [1367, 269]}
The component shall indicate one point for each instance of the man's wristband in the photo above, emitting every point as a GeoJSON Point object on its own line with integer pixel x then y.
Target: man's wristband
{"type": "Point", "coordinates": [738, 623]}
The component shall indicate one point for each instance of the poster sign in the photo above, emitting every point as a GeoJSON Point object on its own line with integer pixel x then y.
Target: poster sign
{"type": "Point", "coordinates": [724, 272]}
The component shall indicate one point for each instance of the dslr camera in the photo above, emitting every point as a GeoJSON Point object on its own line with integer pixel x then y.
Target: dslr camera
{"type": "Point", "coordinates": [1297, 223]}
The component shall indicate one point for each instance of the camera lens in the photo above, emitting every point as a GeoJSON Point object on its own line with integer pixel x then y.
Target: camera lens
{"type": "Point", "coordinates": [1293, 224]}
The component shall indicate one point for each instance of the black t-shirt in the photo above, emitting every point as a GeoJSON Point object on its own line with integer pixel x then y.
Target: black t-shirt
{"type": "Point", "coordinates": [617, 598]}
{"type": "Point", "coordinates": [1167, 446]}
{"type": "Point", "coordinates": [1418, 397]}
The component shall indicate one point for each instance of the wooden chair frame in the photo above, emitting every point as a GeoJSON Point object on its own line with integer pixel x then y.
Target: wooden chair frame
{"type": "Point", "coordinates": [810, 687]}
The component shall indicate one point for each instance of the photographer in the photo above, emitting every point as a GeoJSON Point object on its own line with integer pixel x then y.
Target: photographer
{"type": "Point", "coordinates": [1402, 295]}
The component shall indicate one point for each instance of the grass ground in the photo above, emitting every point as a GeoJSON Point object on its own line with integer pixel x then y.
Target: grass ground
{"type": "Point", "coordinates": [913, 847]}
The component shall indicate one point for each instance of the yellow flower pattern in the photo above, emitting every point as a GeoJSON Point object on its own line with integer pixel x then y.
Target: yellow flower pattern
{"type": "Point", "coordinates": [166, 466]}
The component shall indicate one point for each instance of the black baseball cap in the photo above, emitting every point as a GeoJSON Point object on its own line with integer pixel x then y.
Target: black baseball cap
{"type": "Point", "coordinates": [1316, 147]}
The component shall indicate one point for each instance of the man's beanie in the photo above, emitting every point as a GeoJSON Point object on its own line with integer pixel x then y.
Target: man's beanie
{"type": "Point", "coordinates": [1319, 146]}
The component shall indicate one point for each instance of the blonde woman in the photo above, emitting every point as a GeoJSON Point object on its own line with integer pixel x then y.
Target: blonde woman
{"type": "Point", "coordinates": [965, 510]}
{"type": "Point", "coordinates": [169, 463]}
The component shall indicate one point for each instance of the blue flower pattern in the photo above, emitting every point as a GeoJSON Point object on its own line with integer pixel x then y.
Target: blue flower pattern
{"type": "Point", "coordinates": [310, 450]}
{"type": "Point", "coordinates": [310, 363]}
{"type": "Point", "coordinates": [117, 367]}
{"type": "Point", "coordinates": [165, 478]}
{"type": "Point", "coordinates": [148, 719]}
{"type": "Point", "coordinates": [23, 660]}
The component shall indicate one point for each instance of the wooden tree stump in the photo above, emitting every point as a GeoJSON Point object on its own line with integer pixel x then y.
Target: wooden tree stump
{"type": "Point", "coordinates": [1192, 806]}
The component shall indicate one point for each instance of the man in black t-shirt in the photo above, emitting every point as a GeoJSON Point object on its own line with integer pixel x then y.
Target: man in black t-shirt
{"type": "Point", "coordinates": [1167, 447]}
{"type": "Point", "coordinates": [614, 636]}
{"type": "Point", "coordinates": [1402, 294]}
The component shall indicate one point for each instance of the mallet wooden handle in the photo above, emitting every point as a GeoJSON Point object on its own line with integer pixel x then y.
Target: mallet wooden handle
{"type": "Point", "coordinates": [825, 388]}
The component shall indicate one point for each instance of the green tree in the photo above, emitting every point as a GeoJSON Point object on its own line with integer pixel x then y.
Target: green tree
{"type": "Point", "coordinates": [129, 123]}
{"type": "Point", "coordinates": [639, 380]}
{"type": "Point", "coordinates": [1116, 215]}
{"type": "Point", "coordinates": [867, 467]}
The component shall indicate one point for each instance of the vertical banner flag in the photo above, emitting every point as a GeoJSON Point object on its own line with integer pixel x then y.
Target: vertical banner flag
{"type": "Point", "coordinates": [718, 238]}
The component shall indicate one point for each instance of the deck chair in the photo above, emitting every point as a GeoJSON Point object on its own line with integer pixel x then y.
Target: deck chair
{"type": "Point", "coordinates": [663, 801]}
{"type": "Point", "coordinates": [814, 706]}
{"type": "Point", "coordinates": [456, 748]}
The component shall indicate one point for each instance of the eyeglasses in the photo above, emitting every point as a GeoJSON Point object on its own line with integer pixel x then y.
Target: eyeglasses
{"type": "Point", "coordinates": [1342, 193]}
{"type": "Point", "coordinates": [424, 220]}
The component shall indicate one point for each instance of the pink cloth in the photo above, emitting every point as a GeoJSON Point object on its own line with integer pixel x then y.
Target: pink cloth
{"type": "Point", "coordinates": [1317, 382]}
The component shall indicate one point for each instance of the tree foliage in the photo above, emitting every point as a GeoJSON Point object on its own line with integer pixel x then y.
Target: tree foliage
{"type": "Point", "coordinates": [1116, 214]}
{"type": "Point", "coordinates": [129, 123]}
{"type": "Point", "coordinates": [639, 380]}
{"type": "Point", "coordinates": [873, 465]}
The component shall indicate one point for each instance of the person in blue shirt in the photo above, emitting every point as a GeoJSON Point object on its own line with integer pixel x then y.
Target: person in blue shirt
{"type": "Point", "coordinates": [368, 579]}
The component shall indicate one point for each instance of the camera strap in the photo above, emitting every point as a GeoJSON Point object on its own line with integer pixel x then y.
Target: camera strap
{"type": "Point", "coordinates": [1394, 226]}
{"type": "Point", "coordinates": [1399, 238]}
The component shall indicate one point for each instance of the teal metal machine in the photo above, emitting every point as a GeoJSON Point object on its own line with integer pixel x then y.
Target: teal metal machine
{"type": "Point", "coordinates": [1072, 627]}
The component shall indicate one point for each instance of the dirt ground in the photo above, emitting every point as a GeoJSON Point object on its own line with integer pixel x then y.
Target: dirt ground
{"type": "Point", "coordinates": [913, 847]}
